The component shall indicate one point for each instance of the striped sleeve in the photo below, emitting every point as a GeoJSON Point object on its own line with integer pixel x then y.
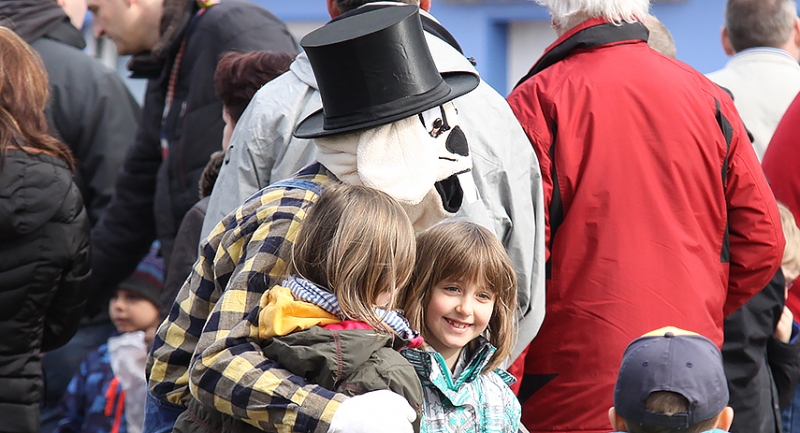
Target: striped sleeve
{"type": "Point", "coordinates": [233, 375]}
{"type": "Point", "coordinates": [243, 256]}
{"type": "Point", "coordinates": [177, 337]}
{"type": "Point", "coordinates": [230, 372]}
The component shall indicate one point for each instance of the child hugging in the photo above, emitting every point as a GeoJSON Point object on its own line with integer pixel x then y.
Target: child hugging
{"type": "Point", "coordinates": [354, 251]}
{"type": "Point", "coordinates": [331, 321]}
{"type": "Point", "coordinates": [462, 297]}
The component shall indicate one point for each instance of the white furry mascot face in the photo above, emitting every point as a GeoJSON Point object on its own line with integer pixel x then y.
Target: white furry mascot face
{"type": "Point", "coordinates": [422, 161]}
{"type": "Point", "coordinates": [388, 119]}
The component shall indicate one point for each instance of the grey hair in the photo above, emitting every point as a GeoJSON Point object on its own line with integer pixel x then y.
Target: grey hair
{"type": "Point", "coordinates": [759, 23]}
{"type": "Point", "coordinates": [348, 5]}
{"type": "Point", "coordinates": [569, 13]}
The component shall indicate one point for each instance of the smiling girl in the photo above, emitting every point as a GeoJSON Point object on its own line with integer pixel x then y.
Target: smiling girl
{"type": "Point", "coordinates": [461, 297]}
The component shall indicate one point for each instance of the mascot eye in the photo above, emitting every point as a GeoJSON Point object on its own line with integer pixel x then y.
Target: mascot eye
{"type": "Point", "coordinates": [439, 127]}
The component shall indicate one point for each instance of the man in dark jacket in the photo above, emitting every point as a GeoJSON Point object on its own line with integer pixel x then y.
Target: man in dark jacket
{"type": "Point", "coordinates": [91, 111]}
{"type": "Point", "coordinates": [176, 45]}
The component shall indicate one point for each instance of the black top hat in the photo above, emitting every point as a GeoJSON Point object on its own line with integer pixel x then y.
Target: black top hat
{"type": "Point", "coordinates": [375, 68]}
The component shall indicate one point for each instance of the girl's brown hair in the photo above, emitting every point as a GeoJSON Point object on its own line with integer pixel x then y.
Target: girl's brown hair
{"type": "Point", "coordinates": [357, 243]}
{"type": "Point", "coordinates": [465, 252]}
{"type": "Point", "coordinates": [23, 97]}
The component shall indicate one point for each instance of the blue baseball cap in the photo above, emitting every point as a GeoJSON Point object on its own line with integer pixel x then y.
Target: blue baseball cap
{"type": "Point", "coordinates": [675, 360]}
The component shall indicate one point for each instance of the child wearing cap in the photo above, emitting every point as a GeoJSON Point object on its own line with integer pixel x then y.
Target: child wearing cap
{"type": "Point", "coordinates": [107, 394]}
{"type": "Point", "coordinates": [671, 381]}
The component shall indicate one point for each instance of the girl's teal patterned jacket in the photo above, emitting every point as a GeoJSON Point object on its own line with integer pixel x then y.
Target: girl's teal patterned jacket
{"type": "Point", "coordinates": [467, 401]}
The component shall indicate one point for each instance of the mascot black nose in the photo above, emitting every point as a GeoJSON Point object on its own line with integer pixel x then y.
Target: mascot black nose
{"type": "Point", "coordinates": [457, 142]}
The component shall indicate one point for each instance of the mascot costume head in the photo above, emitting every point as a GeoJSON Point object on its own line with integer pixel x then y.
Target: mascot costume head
{"type": "Point", "coordinates": [387, 120]}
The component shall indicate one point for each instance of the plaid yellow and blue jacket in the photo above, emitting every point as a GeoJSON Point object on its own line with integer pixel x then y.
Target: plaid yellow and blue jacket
{"type": "Point", "coordinates": [245, 255]}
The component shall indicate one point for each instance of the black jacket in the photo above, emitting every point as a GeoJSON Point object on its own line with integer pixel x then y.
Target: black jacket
{"type": "Point", "coordinates": [152, 197]}
{"type": "Point", "coordinates": [90, 108]}
{"type": "Point", "coordinates": [762, 372]}
{"type": "Point", "coordinates": [184, 254]}
{"type": "Point", "coordinates": [44, 268]}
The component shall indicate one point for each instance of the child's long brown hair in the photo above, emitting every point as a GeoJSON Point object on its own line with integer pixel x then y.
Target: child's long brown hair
{"type": "Point", "coordinates": [465, 252]}
{"type": "Point", "coordinates": [23, 97]}
{"type": "Point", "coordinates": [357, 243]}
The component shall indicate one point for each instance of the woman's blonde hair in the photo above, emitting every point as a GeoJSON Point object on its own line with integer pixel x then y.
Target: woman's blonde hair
{"type": "Point", "coordinates": [357, 243]}
{"type": "Point", "coordinates": [23, 97]}
{"type": "Point", "coordinates": [465, 252]}
{"type": "Point", "coordinates": [791, 254]}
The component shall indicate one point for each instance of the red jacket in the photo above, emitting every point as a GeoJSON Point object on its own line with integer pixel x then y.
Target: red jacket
{"type": "Point", "coordinates": [781, 167]}
{"type": "Point", "coordinates": [659, 213]}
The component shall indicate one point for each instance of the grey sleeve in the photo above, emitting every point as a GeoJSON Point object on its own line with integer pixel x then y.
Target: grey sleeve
{"type": "Point", "coordinates": [262, 149]}
{"type": "Point", "coordinates": [239, 177]}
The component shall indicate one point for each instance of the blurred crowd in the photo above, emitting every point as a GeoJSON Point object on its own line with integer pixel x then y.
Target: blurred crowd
{"type": "Point", "coordinates": [355, 233]}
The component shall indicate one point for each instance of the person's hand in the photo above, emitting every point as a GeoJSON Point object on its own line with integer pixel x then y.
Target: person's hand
{"type": "Point", "coordinates": [376, 411]}
{"type": "Point", "coordinates": [150, 335]}
{"type": "Point", "coordinates": [783, 332]}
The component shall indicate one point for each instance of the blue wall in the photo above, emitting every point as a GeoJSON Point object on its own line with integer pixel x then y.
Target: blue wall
{"type": "Point", "coordinates": [481, 28]}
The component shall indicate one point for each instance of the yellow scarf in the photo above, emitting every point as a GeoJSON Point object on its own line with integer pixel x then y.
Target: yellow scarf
{"type": "Point", "coordinates": [281, 314]}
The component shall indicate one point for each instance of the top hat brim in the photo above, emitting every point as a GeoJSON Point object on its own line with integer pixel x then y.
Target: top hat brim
{"type": "Point", "coordinates": [460, 83]}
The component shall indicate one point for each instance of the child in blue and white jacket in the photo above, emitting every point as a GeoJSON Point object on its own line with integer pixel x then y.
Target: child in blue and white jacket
{"type": "Point", "coordinates": [107, 394]}
{"type": "Point", "coordinates": [462, 298]}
